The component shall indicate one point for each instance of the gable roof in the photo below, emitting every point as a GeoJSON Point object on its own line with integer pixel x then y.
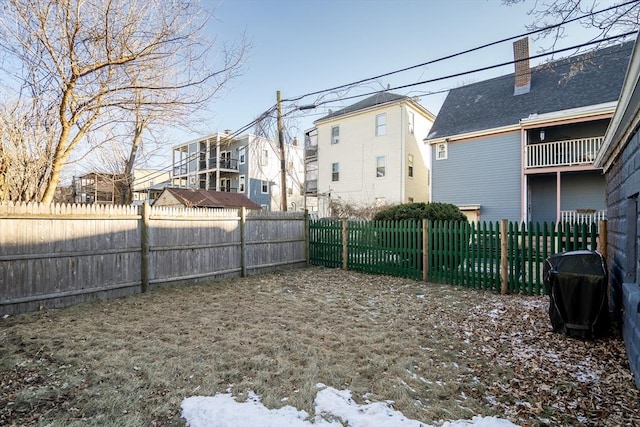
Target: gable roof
{"type": "Point", "coordinates": [626, 118]}
{"type": "Point", "coordinates": [583, 80]}
{"type": "Point", "coordinates": [372, 101]}
{"type": "Point", "coordinates": [211, 199]}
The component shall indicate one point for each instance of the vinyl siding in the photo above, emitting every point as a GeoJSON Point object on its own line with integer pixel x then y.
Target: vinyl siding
{"type": "Point", "coordinates": [542, 189]}
{"type": "Point", "coordinates": [582, 190]}
{"type": "Point", "coordinates": [483, 171]}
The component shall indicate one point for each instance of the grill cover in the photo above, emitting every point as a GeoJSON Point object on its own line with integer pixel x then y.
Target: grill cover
{"type": "Point", "coordinates": [577, 282]}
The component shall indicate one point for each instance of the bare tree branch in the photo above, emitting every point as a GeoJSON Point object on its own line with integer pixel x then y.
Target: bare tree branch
{"type": "Point", "coordinates": [92, 64]}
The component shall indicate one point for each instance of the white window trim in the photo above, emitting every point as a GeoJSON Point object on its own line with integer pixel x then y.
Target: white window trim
{"type": "Point", "coordinates": [242, 184]}
{"type": "Point", "coordinates": [384, 166]}
{"type": "Point", "coordinates": [242, 155]}
{"type": "Point", "coordinates": [335, 139]}
{"type": "Point", "coordinates": [444, 154]}
{"type": "Point", "coordinates": [262, 186]}
{"type": "Point", "coordinates": [384, 126]}
{"type": "Point", "coordinates": [335, 172]}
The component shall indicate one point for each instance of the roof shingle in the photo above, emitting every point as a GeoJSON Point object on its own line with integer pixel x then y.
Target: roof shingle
{"type": "Point", "coordinates": [588, 79]}
{"type": "Point", "coordinates": [212, 199]}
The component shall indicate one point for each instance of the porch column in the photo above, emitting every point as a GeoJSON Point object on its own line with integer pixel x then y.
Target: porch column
{"type": "Point", "coordinates": [558, 195]}
{"type": "Point", "coordinates": [217, 162]}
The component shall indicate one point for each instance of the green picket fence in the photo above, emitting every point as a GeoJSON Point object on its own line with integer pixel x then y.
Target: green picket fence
{"type": "Point", "coordinates": [385, 247]}
{"type": "Point", "coordinates": [457, 253]}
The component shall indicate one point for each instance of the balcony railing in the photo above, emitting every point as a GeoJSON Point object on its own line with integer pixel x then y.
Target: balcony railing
{"type": "Point", "coordinates": [311, 151]}
{"type": "Point", "coordinates": [563, 153]}
{"type": "Point", "coordinates": [228, 164]}
{"type": "Point", "coordinates": [583, 216]}
{"type": "Point", "coordinates": [311, 186]}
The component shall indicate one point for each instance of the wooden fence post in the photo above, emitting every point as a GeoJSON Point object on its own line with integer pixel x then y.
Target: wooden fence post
{"type": "Point", "coordinates": [144, 242]}
{"type": "Point", "coordinates": [602, 238]}
{"type": "Point", "coordinates": [504, 265]}
{"type": "Point", "coordinates": [243, 242]}
{"type": "Point", "coordinates": [306, 236]}
{"type": "Point", "coordinates": [345, 253]}
{"type": "Point", "coordinates": [425, 251]}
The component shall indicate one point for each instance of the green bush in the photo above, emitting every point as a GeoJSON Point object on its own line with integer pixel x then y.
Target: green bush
{"type": "Point", "coordinates": [418, 211]}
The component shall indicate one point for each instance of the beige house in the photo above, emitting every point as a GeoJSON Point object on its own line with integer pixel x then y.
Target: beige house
{"type": "Point", "coordinates": [368, 154]}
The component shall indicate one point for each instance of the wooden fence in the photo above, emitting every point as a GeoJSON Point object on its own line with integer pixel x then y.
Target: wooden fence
{"type": "Point", "coordinates": [500, 256]}
{"type": "Point", "coordinates": [58, 255]}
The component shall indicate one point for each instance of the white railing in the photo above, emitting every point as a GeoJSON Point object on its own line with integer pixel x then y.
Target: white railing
{"type": "Point", "coordinates": [586, 216]}
{"type": "Point", "coordinates": [563, 153]}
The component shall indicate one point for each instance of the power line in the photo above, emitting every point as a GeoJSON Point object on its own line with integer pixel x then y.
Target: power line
{"type": "Point", "coordinates": [477, 70]}
{"type": "Point", "coordinates": [297, 98]}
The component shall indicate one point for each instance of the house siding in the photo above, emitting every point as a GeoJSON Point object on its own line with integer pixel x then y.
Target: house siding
{"type": "Point", "coordinates": [584, 190]}
{"type": "Point", "coordinates": [623, 184]}
{"type": "Point", "coordinates": [542, 189]}
{"type": "Point", "coordinates": [484, 171]}
{"type": "Point", "coordinates": [356, 154]}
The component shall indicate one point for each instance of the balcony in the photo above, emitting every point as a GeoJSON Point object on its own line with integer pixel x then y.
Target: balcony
{"type": "Point", "coordinates": [311, 152]}
{"type": "Point", "coordinates": [311, 186]}
{"type": "Point", "coordinates": [230, 165]}
{"type": "Point", "coordinates": [570, 152]}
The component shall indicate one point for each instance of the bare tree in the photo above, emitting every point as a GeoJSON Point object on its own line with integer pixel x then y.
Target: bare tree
{"type": "Point", "coordinates": [548, 13]}
{"type": "Point", "coordinates": [94, 64]}
{"type": "Point", "coordinates": [23, 144]}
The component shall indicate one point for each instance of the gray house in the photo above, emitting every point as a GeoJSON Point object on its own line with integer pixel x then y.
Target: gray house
{"type": "Point", "coordinates": [522, 146]}
{"type": "Point", "coordinates": [620, 159]}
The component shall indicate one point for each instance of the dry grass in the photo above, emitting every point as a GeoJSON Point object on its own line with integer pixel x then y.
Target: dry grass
{"type": "Point", "coordinates": [438, 352]}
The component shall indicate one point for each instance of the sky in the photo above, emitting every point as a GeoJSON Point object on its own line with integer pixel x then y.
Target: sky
{"type": "Point", "coordinates": [303, 46]}
{"type": "Point", "coordinates": [222, 410]}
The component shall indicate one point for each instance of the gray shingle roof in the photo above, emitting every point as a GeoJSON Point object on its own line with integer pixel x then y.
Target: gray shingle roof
{"type": "Point", "coordinates": [211, 199]}
{"type": "Point", "coordinates": [592, 78]}
{"type": "Point", "coordinates": [377, 99]}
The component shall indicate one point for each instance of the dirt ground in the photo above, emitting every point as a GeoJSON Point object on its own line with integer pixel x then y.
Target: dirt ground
{"type": "Point", "coordinates": [438, 352]}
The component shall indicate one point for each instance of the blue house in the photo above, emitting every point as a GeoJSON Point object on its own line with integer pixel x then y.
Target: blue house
{"type": "Point", "coordinates": [522, 146]}
{"type": "Point", "coordinates": [619, 157]}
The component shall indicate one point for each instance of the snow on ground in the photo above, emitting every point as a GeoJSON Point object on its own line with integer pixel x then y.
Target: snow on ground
{"type": "Point", "coordinates": [333, 408]}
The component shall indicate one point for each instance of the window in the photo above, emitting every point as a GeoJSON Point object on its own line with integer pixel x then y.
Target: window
{"type": "Point", "coordinates": [410, 165]}
{"type": "Point", "coordinates": [381, 124]}
{"type": "Point", "coordinates": [335, 172]}
{"type": "Point", "coordinates": [410, 199]}
{"type": "Point", "coordinates": [265, 187]}
{"type": "Point", "coordinates": [441, 151]}
{"type": "Point", "coordinates": [412, 118]}
{"type": "Point", "coordinates": [241, 182]}
{"type": "Point", "coordinates": [290, 191]}
{"type": "Point", "coordinates": [335, 134]}
{"type": "Point", "coordinates": [242, 155]}
{"type": "Point", "coordinates": [381, 162]}
{"type": "Point", "coordinates": [264, 159]}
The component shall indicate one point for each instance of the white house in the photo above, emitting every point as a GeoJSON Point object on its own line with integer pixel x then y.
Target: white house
{"type": "Point", "coordinates": [245, 164]}
{"type": "Point", "coordinates": [369, 154]}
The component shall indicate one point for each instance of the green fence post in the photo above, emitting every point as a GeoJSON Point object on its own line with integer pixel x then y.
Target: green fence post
{"type": "Point", "coordinates": [504, 267]}
{"type": "Point", "coordinates": [345, 251]}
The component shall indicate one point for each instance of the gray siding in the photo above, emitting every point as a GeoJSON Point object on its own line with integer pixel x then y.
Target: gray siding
{"type": "Point", "coordinates": [583, 190]}
{"type": "Point", "coordinates": [483, 171]}
{"type": "Point", "coordinates": [256, 194]}
{"type": "Point", "coordinates": [542, 189]}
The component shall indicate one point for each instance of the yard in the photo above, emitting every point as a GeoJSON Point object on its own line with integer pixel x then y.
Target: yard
{"type": "Point", "coordinates": [438, 352]}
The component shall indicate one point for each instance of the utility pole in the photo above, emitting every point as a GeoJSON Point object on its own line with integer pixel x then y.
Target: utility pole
{"type": "Point", "coordinates": [283, 169]}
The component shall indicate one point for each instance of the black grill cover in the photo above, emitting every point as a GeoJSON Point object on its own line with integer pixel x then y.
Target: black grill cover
{"type": "Point", "coordinates": [576, 282]}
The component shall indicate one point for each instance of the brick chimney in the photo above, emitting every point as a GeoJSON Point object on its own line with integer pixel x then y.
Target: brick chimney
{"type": "Point", "coordinates": [523, 72]}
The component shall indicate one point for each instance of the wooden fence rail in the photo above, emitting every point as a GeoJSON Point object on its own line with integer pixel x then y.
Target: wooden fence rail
{"type": "Point", "coordinates": [58, 255]}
